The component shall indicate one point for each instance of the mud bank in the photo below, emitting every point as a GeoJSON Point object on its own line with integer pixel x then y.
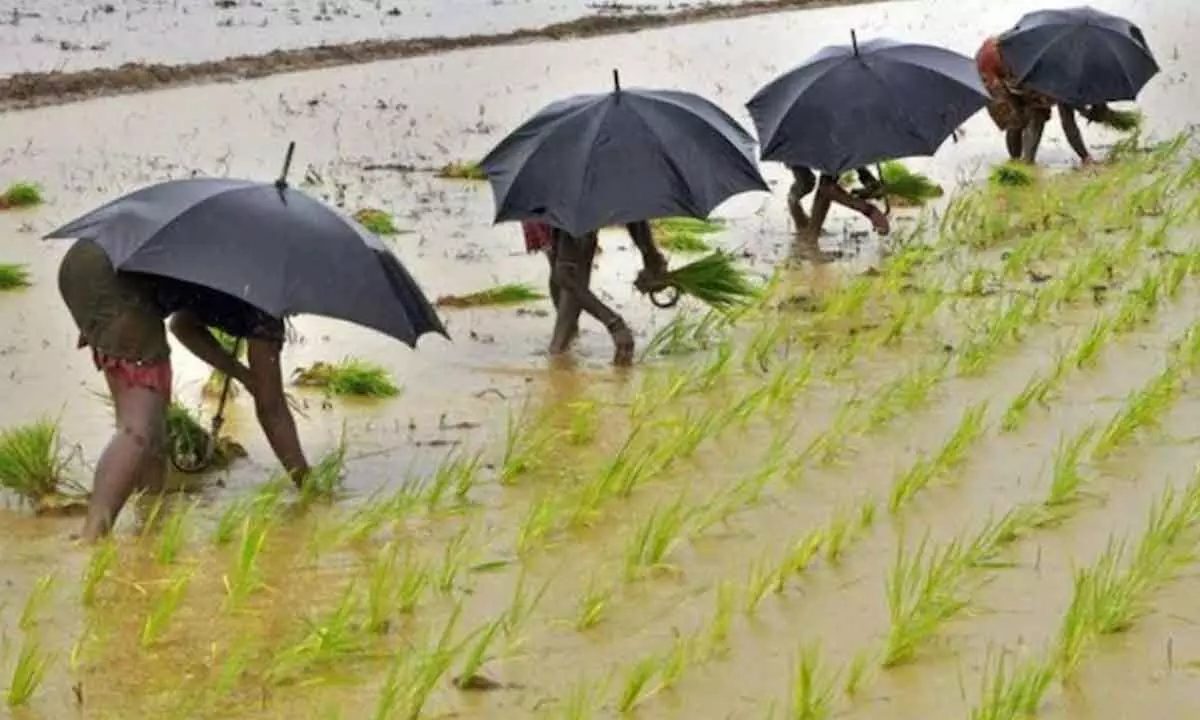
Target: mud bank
{"type": "Point", "coordinates": [32, 89]}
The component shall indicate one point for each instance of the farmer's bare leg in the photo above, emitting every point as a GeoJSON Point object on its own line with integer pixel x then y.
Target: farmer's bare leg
{"type": "Point", "coordinates": [829, 191]}
{"type": "Point", "coordinates": [1031, 136]}
{"type": "Point", "coordinates": [271, 408]}
{"type": "Point", "coordinates": [803, 182]}
{"type": "Point", "coordinates": [1070, 126]}
{"type": "Point", "coordinates": [133, 456]}
{"type": "Point", "coordinates": [573, 269]}
{"type": "Point", "coordinates": [1012, 141]}
{"type": "Point", "coordinates": [566, 320]}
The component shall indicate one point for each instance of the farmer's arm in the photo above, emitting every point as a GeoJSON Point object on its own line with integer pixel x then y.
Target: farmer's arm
{"type": "Point", "coordinates": [653, 261]}
{"type": "Point", "coordinates": [271, 408]}
{"type": "Point", "coordinates": [1070, 126]}
{"type": "Point", "coordinates": [196, 338]}
{"type": "Point", "coordinates": [872, 187]}
{"type": "Point", "coordinates": [833, 192]}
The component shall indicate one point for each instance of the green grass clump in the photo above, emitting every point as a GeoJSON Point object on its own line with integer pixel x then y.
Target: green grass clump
{"type": "Point", "coordinates": [714, 280]}
{"type": "Point", "coordinates": [376, 221]}
{"type": "Point", "coordinates": [462, 171]}
{"type": "Point", "coordinates": [507, 294]}
{"type": "Point", "coordinates": [905, 187]}
{"type": "Point", "coordinates": [33, 464]}
{"type": "Point", "coordinates": [20, 194]}
{"type": "Point", "coordinates": [13, 277]}
{"type": "Point", "coordinates": [188, 439]}
{"type": "Point", "coordinates": [684, 234]}
{"type": "Point", "coordinates": [1012, 174]}
{"type": "Point", "coordinates": [348, 377]}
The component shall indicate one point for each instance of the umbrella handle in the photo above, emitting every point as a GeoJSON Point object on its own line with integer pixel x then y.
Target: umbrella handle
{"type": "Point", "coordinates": [204, 460]}
{"type": "Point", "coordinates": [282, 183]}
{"type": "Point", "coordinates": [672, 296]}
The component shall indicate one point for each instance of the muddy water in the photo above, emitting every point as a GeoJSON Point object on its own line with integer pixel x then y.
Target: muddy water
{"type": "Point", "coordinates": [75, 35]}
{"type": "Point", "coordinates": [429, 111]}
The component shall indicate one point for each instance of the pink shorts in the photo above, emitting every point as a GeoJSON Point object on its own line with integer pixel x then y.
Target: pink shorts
{"type": "Point", "coordinates": [154, 376]}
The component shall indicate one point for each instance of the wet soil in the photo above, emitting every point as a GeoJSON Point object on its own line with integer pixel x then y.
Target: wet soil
{"type": "Point", "coordinates": [32, 89]}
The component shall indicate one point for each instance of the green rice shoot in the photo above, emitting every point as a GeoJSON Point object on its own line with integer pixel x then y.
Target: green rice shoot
{"type": "Point", "coordinates": [21, 194]}
{"type": "Point", "coordinates": [348, 377]}
{"type": "Point", "coordinates": [684, 234]}
{"type": "Point", "coordinates": [714, 280]}
{"type": "Point", "coordinates": [1012, 174]}
{"type": "Point", "coordinates": [188, 438]}
{"type": "Point", "coordinates": [376, 221]}
{"type": "Point", "coordinates": [905, 187]}
{"type": "Point", "coordinates": [506, 294]}
{"type": "Point", "coordinates": [14, 277]}
{"type": "Point", "coordinates": [33, 463]}
{"type": "Point", "coordinates": [461, 171]}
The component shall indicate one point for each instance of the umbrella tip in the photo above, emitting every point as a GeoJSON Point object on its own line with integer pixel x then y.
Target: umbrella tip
{"type": "Point", "coordinates": [854, 41]}
{"type": "Point", "coordinates": [287, 165]}
{"type": "Point", "coordinates": [616, 80]}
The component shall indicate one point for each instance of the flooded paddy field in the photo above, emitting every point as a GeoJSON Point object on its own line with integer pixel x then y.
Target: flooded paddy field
{"type": "Point", "coordinates": [886, 494]}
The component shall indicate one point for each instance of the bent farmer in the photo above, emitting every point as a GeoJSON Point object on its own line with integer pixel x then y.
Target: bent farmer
{"type": "Point", "coordinates": [193, 310]}
{"type": "Point", "coordinates": [1022, 113]}
{"type": "Point", "coordinates": [829, 191]}
{"type": "Point", "coordinates": [118, 317]}
{"type": "Point", "coordinates": [571, 259]}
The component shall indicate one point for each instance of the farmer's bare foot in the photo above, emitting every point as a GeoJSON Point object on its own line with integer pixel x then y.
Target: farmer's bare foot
{"type": "Point", "coordinates": [624, 345]}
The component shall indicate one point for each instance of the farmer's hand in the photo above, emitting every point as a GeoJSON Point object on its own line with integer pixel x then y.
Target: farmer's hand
{"type": "Point", "coordinates": [650, 281]}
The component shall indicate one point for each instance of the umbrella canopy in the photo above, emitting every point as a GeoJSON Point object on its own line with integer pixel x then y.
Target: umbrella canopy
{"type": "Point", "coordinates": [595, 160]}
{"type": "Point", "coordinates": [270, 245]}
{"type": "Point", "coordinates": [1079, 56]}
{"type": "Point", "coordinates": [850, 106]}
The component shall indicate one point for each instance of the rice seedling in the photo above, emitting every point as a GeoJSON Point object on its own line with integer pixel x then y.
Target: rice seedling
{"type": "Point", "coordinates": [713, 280]}
{"type": "Point", "coordinates": [906, 394]}
{"type": "Point", "coordinates": [656, 537]}
{"type": "Point", "coordinates": [455, 558]}
{"type": "Point", "coordinates": [592, 604]}
{"type": "Point", "coordinates": [857, 673]}
{"type": "Point", "coordinates": [637, 683]}
{"type": "Point", "coordinates": [905, 187]}
{"type": "Point", "coordinates": [924, 589]}
{"type": "Point", "coordinates": [812, 690]}
{"type": "Point", "coordinates": [1092, 343]}
{"type": "Point", "coordinates": [166, 603]}
{"type": "Point", "coordinates": [477, 654]}
{"type": "Point", "coordinates": [100, 564]}
{"type": "Point", "coordinates": [759, 581]}
{"type": "Point", "coordinates": [579, 701]}
{"type": "Point", "coordinates": [1142, 410]}
{"type": "Point", "coordinates": [968, 431]}
{"type": "Point", "coordinates": [36, 601]}
{"type": "Point", "coordinates": [349, 376]}
{"type": "Point", "coordinates": [717, 634]}
{"type": "Point", "coordinates": [28, 672]}
{"type": "Point", "coordinates": [799, 556]}
{"type": "Point", "coordinates": [684, 334]}
{"type": "Point", "coordinates": [415, 579]}
{"type": "Point", "coordinates": [506, 294]}
{"type": "Point", "coordinates": [14, 277]}
{"type": "Point", "coordinates": [584, 421]}
{"type": "Point", "coordinates": [189, 439]}
{"type": "Point", "coordinates": [174, 534]}
{"type": "Point", "coordinates": [33, 466]}
{"type": "Point", "coordinates": [325, 479]}
{"type": "Point", "coordinates": [527, 443]}
{"type": "Point", "coordinates": [684, 234]}
{"type": "Point", "coordinates": [376, 221]}
{"type": "Point", "coordinates": [461, 171]}
{"type": "Point", "coordinates": [520, 609]}
{"type": "Point", "coordinates": [1035, 391]}
{"type": "Point", "coordinates": [383, 588]}
{"type": "Point", "coordinates": [331, 638]}
{"type": "Point", "coordinates": [246, 575]}
{"type": "Point", "coordinates": [21, 195]}
{"type": "Point", "coordinates": [1013, 694]}
{"type": "Point", "coordinates": [1067, 479]}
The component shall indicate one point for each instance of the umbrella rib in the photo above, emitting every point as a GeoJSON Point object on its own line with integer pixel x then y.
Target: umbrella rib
{"type": "Point", "coordinates": [912, 126]}
{"type": "Point", "coordinates": [591, 151]}
{"type": "Point", "coordinates": [179, 216]}
{"type": "Point", "coordinates": [679, 176]}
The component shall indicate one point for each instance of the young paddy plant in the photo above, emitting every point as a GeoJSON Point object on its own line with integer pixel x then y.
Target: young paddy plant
{"type": "Point", "coordinates": [29, 671]}
{"type": "Point", "coordinates": [328, 641]}
{"type": "Point", "coordinates": [33, 465]}
{"type": "Point", "coordinates": [1142, 410]}
{"type": "Point", "coordinates": [174, 534]}
{"type": "Point", "coordinates": [165, 605]}
{"type": "Point", "coordinates": [349, 376]}
{"type": "Point", "coordinates": [100, 565]}
{"type": "Point", "coordinates": [1012, 693]}
{"type": "Point", "coordinates": [1067, 479]}
{"type": "Point", "coordinates": [656, 537]}
{"type": "Point", "coordinates": [14, 276]}
{"type": "Point", "coordinates": [813, 688]}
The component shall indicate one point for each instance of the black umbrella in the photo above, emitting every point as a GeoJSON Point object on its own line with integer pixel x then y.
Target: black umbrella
{"type": "Point", "coordinates": [851, 106]}
{"type": "Point", "coordinates": [266, 243]}
{"type": "Point", "coordinates": [1078, 56]}
{"type": "Point", "coordinates": [595, 160]}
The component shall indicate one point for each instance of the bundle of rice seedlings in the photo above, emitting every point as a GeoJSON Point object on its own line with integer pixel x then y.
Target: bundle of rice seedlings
{"type": "Point", "coordinates": [714, 280]}
{"type": "Point", "coordinates": [13, 277]}
{"type": "Point", "coordinates": [189, 440]}
{"type": "Point", "coordinates": [1012, 174]}
{"type": "Point", "coordinates": [1124, 121]}
{"type": "Point", "coordinates": [684, 234]}
{"type": "Point", "coordinates": [33, 466]}
{"type": "Point", "coordinates": [348, 377]}
{"type": "Point", "coordinates": [376, 221]}
{"type": "Point", "coordinates": [20, 194]}
{"type": "Point", "coordinates": [905, 187]}
{"type": "Point", "coordinates": [507, 294]}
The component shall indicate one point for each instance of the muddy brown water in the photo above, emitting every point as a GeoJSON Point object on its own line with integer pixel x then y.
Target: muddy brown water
{"type": "Point", "coordinates": [427, 111]}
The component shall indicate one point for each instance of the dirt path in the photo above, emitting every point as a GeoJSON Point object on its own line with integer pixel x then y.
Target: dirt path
{"type": "Point", "coordinates": [33, 89]}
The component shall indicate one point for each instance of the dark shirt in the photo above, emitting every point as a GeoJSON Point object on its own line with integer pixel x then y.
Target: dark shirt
{"type": "Point", "coordinates": [219, 310]}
